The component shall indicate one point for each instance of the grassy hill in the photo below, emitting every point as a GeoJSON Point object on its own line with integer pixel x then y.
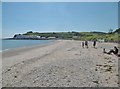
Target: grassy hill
{"type": "Point", "coordinates": [111, 37]}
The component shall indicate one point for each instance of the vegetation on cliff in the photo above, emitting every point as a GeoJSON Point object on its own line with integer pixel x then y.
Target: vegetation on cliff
{"type": "Point", "coordinates": [111, 36]}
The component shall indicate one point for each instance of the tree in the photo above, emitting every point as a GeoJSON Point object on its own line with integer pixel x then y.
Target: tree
{"type": "Point", "coordinates": [117, 31]}
{"type": "Point", "coordinates": [110, 31]}
{"type": "Point", "coordinates": [30, 32]}
{"type": "Point", "coordinates": [14, 36]}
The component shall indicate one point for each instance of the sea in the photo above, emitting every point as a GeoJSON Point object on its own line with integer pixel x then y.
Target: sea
{"type": "Point", "coordinates": [10, 44]}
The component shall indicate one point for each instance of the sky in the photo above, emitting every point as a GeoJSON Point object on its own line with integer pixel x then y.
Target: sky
{"type": "Point", "coordinates": [21, 17]}
{"type": "Point", "coordinates": [60, 0]}
{"type": "Point", "coordinates": [0, 20]}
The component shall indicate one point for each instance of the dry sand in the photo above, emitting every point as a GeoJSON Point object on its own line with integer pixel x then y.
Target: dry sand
{"type": "Point", "coordinates": [62, 64]}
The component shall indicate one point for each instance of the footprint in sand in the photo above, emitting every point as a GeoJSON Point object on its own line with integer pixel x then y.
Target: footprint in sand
{"type": "Point", "coordinates": [8, 70]}
{"type": "Point", "coordinates": [107, 58]}
{"type": "Point", "coordinates": [68, 50]}
{"type": "Point", "coordinates": [77, 54]}
{"type": "Point", "coordinates": [110, 62]}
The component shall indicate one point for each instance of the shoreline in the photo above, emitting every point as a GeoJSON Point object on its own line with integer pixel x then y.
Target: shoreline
{"type": "Point", "coordinates": [64, 63]}
{"type": "Point", "coordinates": [24, 49]}
{"type": "Point", "coordinates": [30, 46]}
{"type": "Point", "coordinates": [18, 53]}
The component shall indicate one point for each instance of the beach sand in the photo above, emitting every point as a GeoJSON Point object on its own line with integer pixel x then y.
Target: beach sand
{"type": "Point", "coordinates": [61, 64]}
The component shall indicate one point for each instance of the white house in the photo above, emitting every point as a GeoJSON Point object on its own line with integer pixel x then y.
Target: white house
{"type": "Point", "coordinates": [101, 40]}
{"type": "Point", "coordinates": [51, 37]}
{"type": "Point", "coordinates": [43, 37]}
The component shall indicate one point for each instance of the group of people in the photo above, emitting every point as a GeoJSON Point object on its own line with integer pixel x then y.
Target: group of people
{"type": "Point", "coordinates": [112, 51]}
{"type": "Point", "coordinates": [86, 44]}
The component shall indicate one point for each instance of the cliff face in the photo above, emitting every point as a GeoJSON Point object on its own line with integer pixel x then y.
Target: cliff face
{"type": "Point", "coordinates": [19, 36]}
{"type": "Point", "coordinates": [25, 37]}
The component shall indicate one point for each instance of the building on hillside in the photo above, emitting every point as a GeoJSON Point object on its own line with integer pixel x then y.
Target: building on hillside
{"type": "Point", "coordinates": [51, 37]}
{"type": "Point", "coordinates": [101, 40]}
{"type": "Point", "coordinates": [75, 37]}
{"type": "Point", "coordinates": [43, 37]}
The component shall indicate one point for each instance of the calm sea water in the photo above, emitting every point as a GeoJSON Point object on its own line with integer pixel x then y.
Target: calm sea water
{"type": "Point", "coordinates": [9, 44]}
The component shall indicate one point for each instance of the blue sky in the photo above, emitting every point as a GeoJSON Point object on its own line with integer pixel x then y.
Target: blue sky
{"type": "Point", "coordinates": [21, 17]}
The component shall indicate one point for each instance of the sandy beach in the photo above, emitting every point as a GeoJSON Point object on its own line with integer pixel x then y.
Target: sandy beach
{"type": "Point", "coordinates": [61, 64]}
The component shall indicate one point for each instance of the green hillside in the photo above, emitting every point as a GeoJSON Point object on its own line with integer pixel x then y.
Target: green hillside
{"type": "Point", "coordinates": [111, 37]}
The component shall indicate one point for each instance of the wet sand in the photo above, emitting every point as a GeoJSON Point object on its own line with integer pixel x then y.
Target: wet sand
{"type": "Point", "coordinates": [62, 64]}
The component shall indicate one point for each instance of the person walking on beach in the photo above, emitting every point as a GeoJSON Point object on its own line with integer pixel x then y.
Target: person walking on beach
{"type": "Point", "coordinates": [86, 44]}
{"type": "Point", "coordinates": [115, 51]}
{"type": "Point", "coordinates": [82, 44]}
{"type": "Point", "coordinates": [94, 43]}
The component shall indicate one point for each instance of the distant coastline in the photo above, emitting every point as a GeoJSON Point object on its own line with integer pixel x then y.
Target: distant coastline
{"type": "Point", "coordinates": [22, 39]}
{"type": "Point", "coordinates": [111, 36]}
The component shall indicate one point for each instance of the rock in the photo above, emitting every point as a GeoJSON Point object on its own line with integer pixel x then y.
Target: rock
{"type": "Point", "coordinates": [9, 69]}
{"type": "Point", "coordinates": [68, 81]}
{"type": "Point", "coordinates": [109, 61]}
{"type": "Point", "coordinates": [15, 76]}
{"type": "Point", "coordinates": [96, 82]}
{"type": "Point", "coordinates": [106, 79]}
{"type": "Point", "coordinates": [95, 69]}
